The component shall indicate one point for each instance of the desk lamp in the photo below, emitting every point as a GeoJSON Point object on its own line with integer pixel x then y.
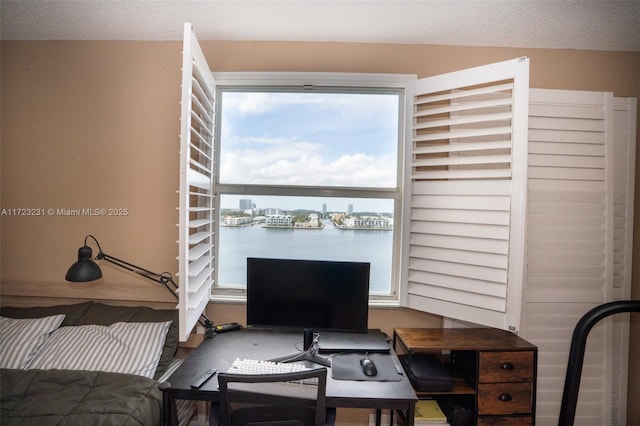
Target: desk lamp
{"type": "Point", "coordinates": [85, 270]}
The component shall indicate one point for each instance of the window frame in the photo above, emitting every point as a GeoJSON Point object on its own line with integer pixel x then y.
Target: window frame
{"type": "Point", "coordinates": [402, 84]}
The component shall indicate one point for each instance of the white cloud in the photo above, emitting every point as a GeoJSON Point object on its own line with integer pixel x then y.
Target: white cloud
{"type": "Point", "coordinates": [248, 103]}
{"type": "Point", "coordinates": [285, 162]}
{"type": "Point", "coordinates": [261, 102]}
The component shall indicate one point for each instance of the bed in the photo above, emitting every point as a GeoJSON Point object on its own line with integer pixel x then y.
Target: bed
{"type": "Point", "coordinates": [86, 363]}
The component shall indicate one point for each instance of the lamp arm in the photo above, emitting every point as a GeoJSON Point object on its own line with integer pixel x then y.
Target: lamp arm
{"type": "Point", "coordinates": [165, 279]}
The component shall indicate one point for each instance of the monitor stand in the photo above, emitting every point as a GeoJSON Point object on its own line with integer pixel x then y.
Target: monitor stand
{"type": "Point", "coordinates": [310, 351]}
{"type": "Point", "coordinates": [310, 356]}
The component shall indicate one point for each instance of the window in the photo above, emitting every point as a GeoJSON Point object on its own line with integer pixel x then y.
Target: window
{"type": "Point", "coordinates": [310, 167]}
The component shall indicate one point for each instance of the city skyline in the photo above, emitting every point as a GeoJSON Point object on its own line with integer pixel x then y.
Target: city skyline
{"type": "Point", "coordinates": [334, 204]}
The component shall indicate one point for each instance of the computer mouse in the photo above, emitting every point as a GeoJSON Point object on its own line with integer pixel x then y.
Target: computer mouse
{"type": "Point", "coordinates": [368, 367]}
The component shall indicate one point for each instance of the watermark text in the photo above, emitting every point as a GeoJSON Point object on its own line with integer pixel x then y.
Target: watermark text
{"type": "Point", "coordinates": [36, 211]}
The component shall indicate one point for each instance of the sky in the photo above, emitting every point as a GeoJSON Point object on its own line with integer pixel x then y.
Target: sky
{"type": "Point", "coordinates": [309, 138]}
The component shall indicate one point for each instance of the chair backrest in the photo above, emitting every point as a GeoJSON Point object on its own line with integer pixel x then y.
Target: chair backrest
{"type": "Point", "coordinates": [273, 399]}
{"type": "Point", "coordinates": [577, 350]}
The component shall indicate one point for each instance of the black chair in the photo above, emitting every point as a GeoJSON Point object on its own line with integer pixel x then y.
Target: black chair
{"type": "Point", "coordinates": [272, 400]}
{"type": "Point", "coordinates": [577, 350]}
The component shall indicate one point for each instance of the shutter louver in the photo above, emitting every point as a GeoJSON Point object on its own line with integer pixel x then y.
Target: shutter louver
{"type": "Point", "coordinates": [196, 206]}
{"type": "Point", "coordinates": [468, 173]}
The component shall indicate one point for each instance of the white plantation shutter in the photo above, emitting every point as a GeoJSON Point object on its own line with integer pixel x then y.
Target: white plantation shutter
{"type": "Point", "coordinates": [196, 208]}
{"type": "Point", "coordinates": [468, 176]}
{"type": "Point", "coordinates": [579, 227]}
{"type": "Point", "coordinates": [624, 154]}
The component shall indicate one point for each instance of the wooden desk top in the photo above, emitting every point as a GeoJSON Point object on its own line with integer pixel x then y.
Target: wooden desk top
{"type": "Point", "coordinates": [480, 339]}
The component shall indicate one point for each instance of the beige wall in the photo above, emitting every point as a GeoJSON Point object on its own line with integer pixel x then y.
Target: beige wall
{"type": "Point", "coordinates": [95, 125]}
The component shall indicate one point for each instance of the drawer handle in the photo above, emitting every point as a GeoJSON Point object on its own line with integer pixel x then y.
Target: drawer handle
{"type": "Point", "coordinates": [505, 397]}
{"type": "Point", "coordinates": [507, 366]}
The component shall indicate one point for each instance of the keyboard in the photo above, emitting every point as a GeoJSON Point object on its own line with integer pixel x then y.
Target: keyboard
{"type": "Point", "coordinates": [254, 366]}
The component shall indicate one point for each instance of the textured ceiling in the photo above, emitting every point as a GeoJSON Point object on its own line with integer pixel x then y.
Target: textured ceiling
{"type": "Point", "coordinates": [568, 24]}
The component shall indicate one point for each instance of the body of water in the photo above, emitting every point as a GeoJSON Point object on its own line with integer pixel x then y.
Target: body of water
{"type": "Point", "coordinates": [329, 243]}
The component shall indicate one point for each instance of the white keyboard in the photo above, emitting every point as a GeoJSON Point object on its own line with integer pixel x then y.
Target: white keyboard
{"type": "Point", "coordinates": [254, 366]}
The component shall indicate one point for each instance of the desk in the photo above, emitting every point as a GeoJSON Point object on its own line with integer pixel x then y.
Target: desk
{"type": "Point", "coordinates": [220, 352]}
{"type": "Point", "coordinates": [494, 369]}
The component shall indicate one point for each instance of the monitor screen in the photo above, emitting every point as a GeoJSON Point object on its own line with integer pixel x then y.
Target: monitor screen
{"type": "Point", "coordinates": [313, 294]}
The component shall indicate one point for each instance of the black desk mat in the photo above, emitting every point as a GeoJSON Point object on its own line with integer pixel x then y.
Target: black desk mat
{"type": "Point", "coordinates": [347, 367]}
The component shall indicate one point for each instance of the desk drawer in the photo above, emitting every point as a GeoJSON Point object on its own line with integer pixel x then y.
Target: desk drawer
{"type": "Point", "coordinates": [505, 367]}
{"type": "Point", "coordinates": [505, 421]}
{"type": "Point", "coordinates": [504, 398]}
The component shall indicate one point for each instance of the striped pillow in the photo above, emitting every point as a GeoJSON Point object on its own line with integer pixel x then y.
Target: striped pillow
{"type": "Point", "coordinates": [132, 348]}
{"type": "Point", "coordinates": [20, 339]}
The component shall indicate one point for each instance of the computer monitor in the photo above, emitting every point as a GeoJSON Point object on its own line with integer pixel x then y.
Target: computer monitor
{"type": "Point", "coordinates": [308, 294]}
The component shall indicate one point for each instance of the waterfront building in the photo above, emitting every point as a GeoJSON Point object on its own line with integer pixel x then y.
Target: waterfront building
{"type": "Point", "coordinates": [367, 222]}
{"type": "Point", "coordinates": [237, 220]}
{"type": "Point", "coordinates": [279, 220]}
{"type": "Point", "coordinates": [313, 222]}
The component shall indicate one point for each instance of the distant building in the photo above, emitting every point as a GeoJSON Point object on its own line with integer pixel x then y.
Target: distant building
{"type": "Point", "coordinates": [237, 221]}
{"type": "Point", "coordinates": [337, 217]}
{"type": "Point", "coordinates": [313, 222]}
{"type": "Point", "coordinates": [367, 223]}
{"type": "Point", "coordinates": [279, 220]}
{"type": "Point", "coordinates": [350, 209]}
{"type": "Point", "coordinates": [272, 212]}
{"type": "Point", "coordinates": [245, 204]}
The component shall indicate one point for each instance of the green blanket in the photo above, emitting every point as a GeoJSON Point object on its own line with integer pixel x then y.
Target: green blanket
{"type": "Point", "coordinates": [64, 397]}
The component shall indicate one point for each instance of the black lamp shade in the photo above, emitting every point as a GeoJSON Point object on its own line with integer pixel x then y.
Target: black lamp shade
{"type": "Point", "coordinates": [85, 269]}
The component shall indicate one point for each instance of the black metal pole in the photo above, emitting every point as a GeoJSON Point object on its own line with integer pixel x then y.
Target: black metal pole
{"type": "Point", "coordinates": [163, 279]}
{"type": "Point", "coordinates": [576, 353]}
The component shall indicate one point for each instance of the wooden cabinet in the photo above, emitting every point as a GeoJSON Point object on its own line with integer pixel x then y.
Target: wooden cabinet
{"type": "Point", "coordinates": [494, 371]}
